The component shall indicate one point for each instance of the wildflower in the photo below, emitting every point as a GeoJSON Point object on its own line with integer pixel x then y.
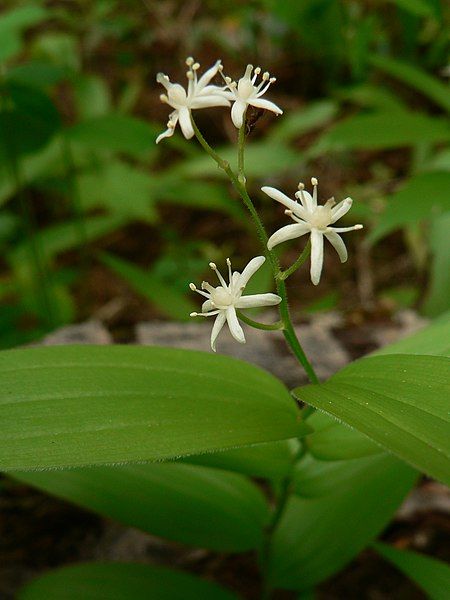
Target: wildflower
{"type": "Point", "coordinates": [246, 92]}
{"type": "Point", "coordinates": [312, 219]}
{"type": "Point", "coordinates": [199, 95]}
{"type": "Point", "coordinates": [227, 297]}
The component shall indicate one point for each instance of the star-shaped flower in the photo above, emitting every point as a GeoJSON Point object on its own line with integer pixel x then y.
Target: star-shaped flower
{"type": "Point", "coordinates": [246, 92]}
{"type": "Point", "coordinates": [227, 297]}
{"type": "Point", "coordinates": [312, 219]}
{"type": "Point", "coordinates": [199, 95]}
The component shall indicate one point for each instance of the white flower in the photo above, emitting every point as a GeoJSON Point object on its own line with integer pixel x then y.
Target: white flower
{"type": "Point", "coordinates": [199, 95]}
{"type": "Point", "coordinates": [227, 297]}
{"type": "Point", "coordinates": [246, 92]}
{"type": "Point", "coordinates": [312, 219]}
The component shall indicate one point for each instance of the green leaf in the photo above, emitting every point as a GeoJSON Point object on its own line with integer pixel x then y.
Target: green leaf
{"type": "Point", "coordinates": [184, 503]}
{"type": "Point", "coordinates": [115, 133]}
{"type": "Point", "coordinates": [269, 461]}
{"type": "Point", "coordinates": [432, 575]}
{"type": "Point", "coordinates": [28, 122]}
{"type": "Point", "coordinates": [301, 121]}
{"type": "Point", "coordinates": [13, 23]}
{"type": "Point", "coordinates": [313, 478]}
{"type": "Point", "coordinates": [168, 300]}
{"type": "Point", "coordinates": [92, 96]}
{"type": "Point", "coordinates": [384, 130]}
{"type": "Point", "coordinates": [420, 8]}
{"type": "Point", "coordinates": [332, 440]}
{"type": "Point", "coordinates": [317, 536]}
{"type": "Point", "coordinates": [424, 196]}
{"type": "Point", "coordinates": [120, 188]}
{"type": "Point", "coordinates": [433, 339]}
{"type": "Point", "coordinates": [65, 236]}
{"type": "Point", "coordinates": [400, 401]}
{"type": "Point", "coordinates": [123, 404]}
{"type": "Point", "coordinates": [438, 297]}
{"type": "Point", "coordinates": [413, 76]}
{"type": "Point", "coordinates": [260, 158]}
{"type": "Point", "coordinates": [116, 581]}
{"type": "Point", "coordinates": [37, 74]}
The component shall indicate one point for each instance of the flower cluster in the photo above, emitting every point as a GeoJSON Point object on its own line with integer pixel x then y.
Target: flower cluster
{"type": "Point", "coordinates": [200, 94]}
{"type": "Point", "coordinates": [309, 217]}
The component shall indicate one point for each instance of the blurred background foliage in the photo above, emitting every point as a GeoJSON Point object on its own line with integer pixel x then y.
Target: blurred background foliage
{"type": "Point", "coordinates": [98, 221]}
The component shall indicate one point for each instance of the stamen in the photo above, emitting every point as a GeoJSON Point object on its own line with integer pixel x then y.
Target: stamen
{"type": "Point", "coordinates": [288, 212]}
{"type": "Point", "coordinates": [230, 275]}
{"type": "Point", "coordinates": [213, 266]}
{"type": "Point", "coordinates": [194, 314]}
{"type": "Point", "coordinates": [189, 61]}
{"type": "Point", "coordinates": [193, 287]}
{"type": "Point", "coordinates": [314, 181]}
{"type": "Point", "coordinates": [266, 76]}
{"type": "Point", "coordinates": [196, 66]}
{"type": "Point", "coordinates": [257, 70]}
{"type": "Point", "coordinates": [272, 79]}
{"type": "Point", "coordinates": [248, 72]}
{"type": "Point", "coordinates": [189, 74]}
{"type": "Point", "coordinates": [301, 186]}
{"type": "Point", "coordinates": [164, 98]}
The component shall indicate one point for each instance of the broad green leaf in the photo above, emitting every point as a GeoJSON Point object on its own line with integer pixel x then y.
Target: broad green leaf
{"type": "Point", "coordinates": [438, 297]}
{"type": "Point", "coordinates": [372, 96]}
{"type": "Point", "coordinates": [28, 122]}
{"type": "Point", "coordinates": [36, 73]}
{"type": "Point", "coordinates": [390, 129]}
{"type": "Point", "coordinates": [121, 404]}
{"type": "Point", "coordinates": [269, 461]}
{"type": "Point", "coordinates": [413, 76]}
{"type": "Point", "coordinates": [65, 236]}
{"type": "Point", "coordinates": [121, 188]}
{"type": "Point", "coordinates": [12, 25]}
{"type": "Point", "coordinates": [168, 300]}
{"type": "Point", "coordinates": [260, 158]}
{"type": "Point", "coordinates": [313, 478]}
{"type": "Point", "coordinates": [332, 440]}
{"type": "Point", "coordinates": [92, 96]}
{"type": "Point", "coordinates": [205, 195]}
{"type": "Point", "coordinates": [317, 536]}
{"type": "Point", "coordinates": [432, 575]}
{"type": "Point", "coordinates": [424, 196]}
{"type": "Point", "coordinates": [303, 120]}
{"type": "Point", "coordinates": [115, 133]}
{"type": "Point", "coordinates": [400, 401]}
{"type": "Point", "coordinates": [421, 8]}
{"type": "Point", "coordinates": [199, 506]}
{"type": "Point", "coordinates": [116, 581]}
{"type": "Point", "coordinates": [433, 339]}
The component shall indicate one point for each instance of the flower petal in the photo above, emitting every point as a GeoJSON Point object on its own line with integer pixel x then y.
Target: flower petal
{"type": "Point", "coordinates": [338, 244]}
{"type": "Point", "coordinates": [250, 270]}
{"type": "Point", "coordinates": [207, 306]}
{"type": "Point", "coordinates": [168, 133]}
{"type": "Point", "coordinates": [266, 105]}
{"type": "Point", "coordinates": [207, 76]}
{"type": "Point", "coordinates": [237, 113]}
{"type": "Point", "coordinates": [233, 324]}
{"type": "Point", "coordinates": [185, 123]}
{"type": "Point", "coordinates": [285, 200]}
{"type": "Point", "coordinates": [217, 327]}
{"type": "Point", "coordinates": [209, 101]}
{"type": "Point", "coordinates": [341, 209]}
{"type": "Point", "coordinates": [289, 232]}
{"type": "Point", "coordinates": [316, 255]}
{"type": "Point", "coordinates": [255, 300]}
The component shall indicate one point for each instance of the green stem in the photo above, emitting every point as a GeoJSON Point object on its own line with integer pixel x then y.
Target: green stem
{"type": "Point", "coordinates": [278, 326]}
{"type": "Point", "coordinates": [288, 331]}
{"type": "Point", "coordinates": [241, 153]}
{"type": "Point", "coordinates": [298, 263]}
